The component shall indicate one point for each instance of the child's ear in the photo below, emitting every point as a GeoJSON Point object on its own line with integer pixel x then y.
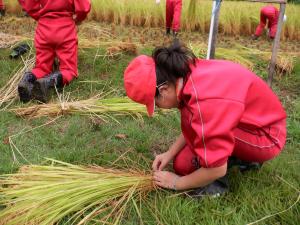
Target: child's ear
{"type": "Point", "coordinates": [163, 88]}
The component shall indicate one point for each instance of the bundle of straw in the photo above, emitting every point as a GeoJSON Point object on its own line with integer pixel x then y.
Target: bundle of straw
{"type": "Point", "coordinates": [9, 92]}
{"type": "Point", "coordinates": [43, 195]}
{"type": "Point", "coordinates": [102, 108]}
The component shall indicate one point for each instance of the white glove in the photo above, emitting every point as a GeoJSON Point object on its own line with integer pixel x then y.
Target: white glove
{"type": "Point", "coordinates": [284, 18]}
{"type": "Point", "coordinates": [157, 1]}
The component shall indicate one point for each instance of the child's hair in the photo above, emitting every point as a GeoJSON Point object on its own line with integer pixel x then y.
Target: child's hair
{"type": "Point", "coordinates": [172, 63]}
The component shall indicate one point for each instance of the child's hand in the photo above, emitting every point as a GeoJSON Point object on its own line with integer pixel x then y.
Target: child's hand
{"type": "Point", "coordinates": [166, 179]}
{"type": "Point", "coordinates": [161, 161]}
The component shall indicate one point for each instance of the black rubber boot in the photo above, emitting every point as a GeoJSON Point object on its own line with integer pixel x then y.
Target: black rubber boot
{"type": "Point", "coordinates": [175, 34]}
{"type": "Point", "coordinates": [25, 87]}
{"type": "Point", "coordinates": [168, 31]}
{"type": "Point", "coordinates": [2, 13]}
{"type": "Point", "coordinates": [214, 189]}
{"type": "Point", "coordinates": [243, 165]}
{"type": "Point", "coordinates": [42, 87]}
{"type": "Point", "coordinates": [254, 37]}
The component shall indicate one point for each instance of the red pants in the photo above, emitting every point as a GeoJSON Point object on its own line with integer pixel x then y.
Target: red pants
{"type": "Point", "coordinates": [173, 13]}
{"type": "Point", "coordinates": [270, 14]}
{"type": "Point", "coordinates": [2, 6]}
{"type": "Point", "coordinates": [251, 146]}
{"type": "Point", "coordinates": [56, 38]}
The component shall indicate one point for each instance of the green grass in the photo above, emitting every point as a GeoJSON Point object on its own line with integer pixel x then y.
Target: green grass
{"type": "Point", "coordinates": [82, 140]}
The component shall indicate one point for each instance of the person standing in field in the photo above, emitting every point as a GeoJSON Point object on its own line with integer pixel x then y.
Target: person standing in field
{"type": "Point", "coordinates": [224, 122]}
{"type": "Point", "coordinates": [55, 36]}
{"type": "Point", "coordinates": [2, 8]}
{"type": "Point", "coordinates": [268, 14]}
{"type": "Point", "coordinates": [173, 14]}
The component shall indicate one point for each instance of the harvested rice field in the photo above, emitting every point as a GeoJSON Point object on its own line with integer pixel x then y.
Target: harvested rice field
{"type": "Point", "coordinates": [91, 131]}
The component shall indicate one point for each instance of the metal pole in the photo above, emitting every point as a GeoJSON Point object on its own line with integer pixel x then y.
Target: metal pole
{"type": "Point", "coordinates": [213, 31]}
{"type": "Point", "coordinates": [276, 45]}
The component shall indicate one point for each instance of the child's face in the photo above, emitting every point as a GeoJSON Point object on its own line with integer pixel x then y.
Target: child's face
{"type": "Point", "coordinates": [167, 97]}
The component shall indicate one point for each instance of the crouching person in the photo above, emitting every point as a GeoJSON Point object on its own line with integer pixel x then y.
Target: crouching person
{"type": "Point", "coordinates": [229, 116]}
{"type": "Point", "coordinates": [55, 36]}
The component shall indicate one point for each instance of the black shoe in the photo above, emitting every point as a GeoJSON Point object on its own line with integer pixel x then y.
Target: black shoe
{"type": "Point", "coordinates": [243, 165]}
{"type": "Point", "coordinates": [2, 12]}
{"type": "Point", "coordinates": [25, 87]}
{"type": "Point", "coordinates": [254, 37]}
{"type": "Point", "coordinates": [42, 87]}
{"type": "Point", "coordinates": [168, 31]}
{"type": "Point", "coordinates": [214, 189]}
{"type": "Point", "coordinates": [175, 34]}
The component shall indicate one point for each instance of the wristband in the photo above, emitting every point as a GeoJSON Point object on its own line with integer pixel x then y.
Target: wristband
{"type": "Point", "coordinates": [174, 182]}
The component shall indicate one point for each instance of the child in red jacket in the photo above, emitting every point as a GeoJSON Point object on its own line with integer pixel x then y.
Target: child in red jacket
{"type": "Point", "coordinates": [271, 14]}
{"type": "Point", "coordinates": [55, 36]}
{"type": "Point", "coordinates": [228, 114]}
{"type": "Point", "coordinates": [2, 8]}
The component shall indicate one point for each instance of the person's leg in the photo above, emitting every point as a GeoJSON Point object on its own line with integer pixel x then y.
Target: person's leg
{"type": "Point", "coordinates": [273, 29]}
{"type": "Point", "coordinates": [67, 55]}
{"type": "Point", "coordinates": [169, 15]}
{"type": "Point", "coordinates": [43, 65]}
{"type": "Point", "coordinates": [262, 24]}
{"type": "Point", "coordinates": [44, 54]}
{"type": "Point", "coordinates": [2, 8]}
{"type": "Point", "coordinates": [186, 162]}
{"type": "Point", "coordinates": [177, 16]}
{"type": "Point", "coordinates": [258, 146]}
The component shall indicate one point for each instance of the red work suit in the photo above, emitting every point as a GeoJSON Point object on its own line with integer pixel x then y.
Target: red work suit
{"type": "Point", "coordinates": [226, 110]}
{"type": "Point", "coordinates": [271, 14]}
{"type": "Point", "coordinates": [173, 13]}
{"type": "Point", "coordinates": [56, 35]}
{"type": "Point", "coordinates": [2, 6]}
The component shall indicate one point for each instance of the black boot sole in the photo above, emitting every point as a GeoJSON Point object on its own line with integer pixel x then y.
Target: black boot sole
{"type": "Point", "coordinates": [40, 91]}
{"type": "Point", "coordinates": [24, 92]}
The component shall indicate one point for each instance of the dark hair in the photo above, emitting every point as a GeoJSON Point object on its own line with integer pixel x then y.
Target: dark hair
{"type": "Point", "coordinates": [172, 63]}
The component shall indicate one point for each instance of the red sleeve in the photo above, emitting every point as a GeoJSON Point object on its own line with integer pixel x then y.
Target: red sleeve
{"type": "Point", "coordinates": [32, 7]}
{"type": "Point", "coordinates": [213, 122]}
{"type": "Point", "coordinates": [82, 8]}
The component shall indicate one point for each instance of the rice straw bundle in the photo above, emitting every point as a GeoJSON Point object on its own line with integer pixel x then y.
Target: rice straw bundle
{"type": "Point", "coordinates": [284, 64]}
{"type": "Point", "coordinates": [103, 108]}
{"type": "Point", "coordinates": [120, 48]}
{"type": "Point", "coordinates": [9, 92]}
{"type": "Point", "coordinates": [43, 195]}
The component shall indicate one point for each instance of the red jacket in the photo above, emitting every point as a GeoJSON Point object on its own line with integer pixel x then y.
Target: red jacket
{"type": "Point", "coordinates": [217, 97]}
{"type": "Point", "coordinates": [56, 8]}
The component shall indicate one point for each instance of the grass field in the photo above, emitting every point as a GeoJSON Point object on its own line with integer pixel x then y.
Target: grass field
{"type": "Point", "coordinates": [86, 140]}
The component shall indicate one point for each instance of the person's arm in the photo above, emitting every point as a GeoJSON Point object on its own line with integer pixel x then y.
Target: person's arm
{"type": "Point", "coordinates": [32, 7]}
{"type": "Point", "coordinates": [163, 159]}
{"type": "Point", "coordinates": [199, 178]}
{"type": "Point", "coordinates": [82, 8]}
{"type": "Point", "coordinates": [213, 144]}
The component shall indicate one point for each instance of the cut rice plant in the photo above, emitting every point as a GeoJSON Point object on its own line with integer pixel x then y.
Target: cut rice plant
{"type": "Point", "coordinates": [241, 54]}
{"type": "Point", "coordinates": [105, 109]}
{"type": "Point", "coordinates": [9, 92]}
{"type": "Point", "coordinates": [63, 192]}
